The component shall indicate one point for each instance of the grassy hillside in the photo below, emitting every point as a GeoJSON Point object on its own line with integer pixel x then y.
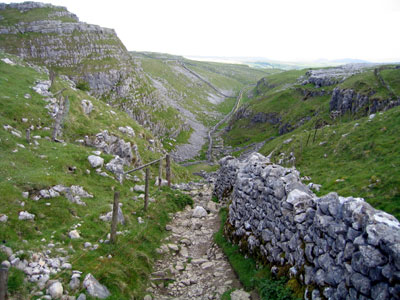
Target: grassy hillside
{"type": "Point", "coordinates": [42, 164]}
{"type": "Point", "coordinates": [357, 158]}
{"type": "Point", "coordinates": [350, 154]}
{"type": "Point", "coordinates": [192, 93]}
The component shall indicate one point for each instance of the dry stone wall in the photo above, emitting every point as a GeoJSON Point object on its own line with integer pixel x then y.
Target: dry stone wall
{"type": "Point", "coordinates": [339, 247]}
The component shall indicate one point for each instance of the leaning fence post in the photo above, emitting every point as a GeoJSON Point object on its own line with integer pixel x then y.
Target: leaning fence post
{"type": "Point", "coordinates": [3, 283]}
{"type": "Point", "coordinates": [146, 189]}
{"type": "Point", "coordinates": [114, 221]}
{"type": "Point", "coordinates": [168, 169]}
{"type": "Point", "coordinates": [160, 173]}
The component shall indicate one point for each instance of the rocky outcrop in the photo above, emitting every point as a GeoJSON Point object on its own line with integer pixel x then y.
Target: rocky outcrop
{"type": "Point", "coordinates": [88, 54]}
{"type": "Point", "coordinates": [348, 101]}
{"type": "Point", "coordinates": [112, 144]}
{"type": "Point", "coordinates": [339, 246]}
{"type": "Point", "coordinates": [330, 76]}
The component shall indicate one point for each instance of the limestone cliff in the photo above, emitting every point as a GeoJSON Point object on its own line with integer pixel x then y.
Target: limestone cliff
{"type": "Point", "coordinates": [89, 54]}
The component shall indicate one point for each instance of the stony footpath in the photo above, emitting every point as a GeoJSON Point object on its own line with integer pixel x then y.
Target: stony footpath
{"type": "Point", "coordinates": [193, 266]}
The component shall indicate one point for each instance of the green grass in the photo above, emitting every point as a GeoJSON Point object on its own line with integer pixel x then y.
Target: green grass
{"type": "Point", "coordinates": [12, 16]}
{"type": "Point", "coordinates": [392, 77]}
{"type": "Point", "coordinates": [37, 167]}
{"type": "Point", "coordinates": [250, 274]}
{"type": "Point", "coordinates": [365, 83]}
{"type": "Point", "coordinates": [366, 159]}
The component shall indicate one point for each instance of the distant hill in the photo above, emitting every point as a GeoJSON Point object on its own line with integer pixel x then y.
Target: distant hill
{"type": "Point", "coordinates": [338, 125]}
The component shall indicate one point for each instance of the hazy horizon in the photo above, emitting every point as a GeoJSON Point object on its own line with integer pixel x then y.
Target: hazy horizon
{"type": "Point", "coordinates": [285, 31]}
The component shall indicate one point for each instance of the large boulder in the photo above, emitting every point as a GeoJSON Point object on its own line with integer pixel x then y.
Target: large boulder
{"type": "Point", "coordinates": [95, 161]}
{"type": "Point", "coordinates": [199, 212]}
{"type": "Point", "coordinates": [56, 290]}
{"type": "Point", "coordinates": [94, 288]}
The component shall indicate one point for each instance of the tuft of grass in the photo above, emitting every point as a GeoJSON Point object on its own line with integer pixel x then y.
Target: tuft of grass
{"type": "Point", "coordinates": [15, 280]}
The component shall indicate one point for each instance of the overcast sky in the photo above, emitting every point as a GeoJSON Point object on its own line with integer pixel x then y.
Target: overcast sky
{"type": "Point", "coordinates": [288, 30]}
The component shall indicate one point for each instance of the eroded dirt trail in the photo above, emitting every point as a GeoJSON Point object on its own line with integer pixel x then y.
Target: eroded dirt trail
{"type": "Point", "coordinates": [193, 267]}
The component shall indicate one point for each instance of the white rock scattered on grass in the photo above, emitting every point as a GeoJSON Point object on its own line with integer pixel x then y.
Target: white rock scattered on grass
{"type": "Point", "coordinates": [56, 290]}
{"type": "Point", "coordinates": [127, 130]}
{"type": "Point", "coordinates": [74, 234]}
{"type": "Point", "coordinates": [8, 61]}
{"type": "Point", "coordinates": [42, 88]}
{"type": "Point", "coordinates": [140, 220]}
{"type": "Point", "coordinates": [163, 182]}
{"type": "Point", "coordinates": [7, 250]}
{"type": "Point", "coordinates": [24, 215]}
{"type": "Point", "coordinates": [371, 116]}
{"type": "Point", "coordinates": [27, 96]}
{"type": "Point", "coordinates": [94, 288]}
{"type": "Point", "coordinates": [3, 218]}
{"type": "Point", "coordinates": [98, 153]}
{"type": "Point", "coordinates": [24, 120]}
{"type": "Point", "coordinates": [74, 283]}
{"type": "Point", "coordinates": [81, 297]}
{"type": "Point", "coordinates": [87, 106]}
{"type": "Point", "coordinates": [87, 244]}
{"type": "Point", "coordinates": [139, 188]}
{"type": "Point", "coordinates": [288, 141]}
{"type": "Point", "coordinates": [6, 264]}
{"type": "Point", "coordinates": [95, 161]}
{"type": "Point", "coordinates": [199, 212]}
{"type": "Point", "coordinates": [16, 133]}
{"type": "Point", "coordinates": [25, 195]}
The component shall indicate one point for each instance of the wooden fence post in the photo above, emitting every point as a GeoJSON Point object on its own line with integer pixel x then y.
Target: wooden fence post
{"type": "Point", "coordinates": [160, 173]}
{"type": "Point", "coordinates": [3, 283]}
{"type": "Point", "coordinates": [114, 220]}
{"type": "Point", "coordinates": [315, 133]}
{"type": "Point", "coordinates": [168, 169]}
{"type": "Point", "coordinates": [28, 136]}
{"type": "Point", "coordinates": [146, 189]}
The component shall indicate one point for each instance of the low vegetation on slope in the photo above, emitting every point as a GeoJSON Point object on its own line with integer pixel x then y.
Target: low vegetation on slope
{"type": "Point", "coordinates": [178, 76]}
{"type": "Point", "coordinates": [321, 125]}
{"type": "Point", "coordinates": [29, 171]}
{"type": "Point", "coordinates": [357, 158]}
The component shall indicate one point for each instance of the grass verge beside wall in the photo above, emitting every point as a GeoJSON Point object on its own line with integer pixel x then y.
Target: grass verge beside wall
{"type": "Point", "coordinates": [250, 274]}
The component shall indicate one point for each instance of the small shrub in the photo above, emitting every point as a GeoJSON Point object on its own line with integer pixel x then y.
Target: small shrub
{"type": "Point", "coordinates": [274, 289]}
{"type": "Point", "coordinates": [215, 199]}
{"type": "Point", "coordinates": [179, 199]}
{"type": "Point", "coordinates": [83, 86]}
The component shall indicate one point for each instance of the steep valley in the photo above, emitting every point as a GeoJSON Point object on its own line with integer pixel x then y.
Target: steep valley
{"type": "Point", "coordinates": [256, 154]}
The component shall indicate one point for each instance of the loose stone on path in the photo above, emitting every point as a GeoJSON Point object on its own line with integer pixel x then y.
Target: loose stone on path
{"type": "Point", "coordinates": [195, 264]}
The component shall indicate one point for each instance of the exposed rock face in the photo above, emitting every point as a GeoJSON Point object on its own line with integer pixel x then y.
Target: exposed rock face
{"type": "Point", "coordinates": [330, 76]}
{"type": "Point", "coordinates": [347, 100]}
{"type": "Point", "coordinates": [112, 144]}
{"type": "Point", "coordinates": [342, 245]}
{"type": "Point", "coordinates": [87, 53]}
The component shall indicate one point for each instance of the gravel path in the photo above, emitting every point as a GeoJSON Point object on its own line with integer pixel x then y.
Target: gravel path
{"type": "Point", "coordinates": [193, 264]}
